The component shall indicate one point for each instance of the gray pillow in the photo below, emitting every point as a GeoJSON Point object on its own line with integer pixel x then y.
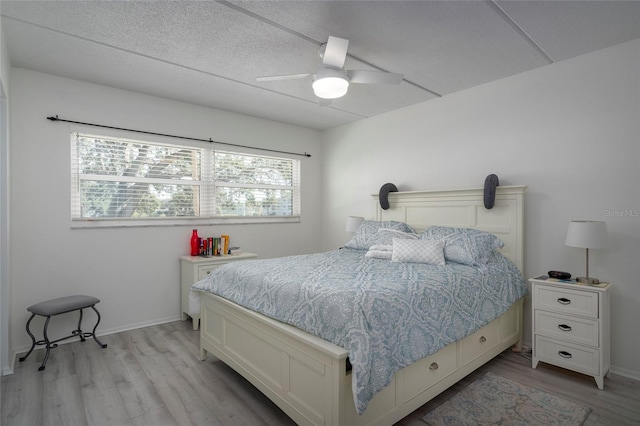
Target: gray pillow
{"type": "Point", "coordinates": [366, 234]}
{"type": "Point", "coordinates": [385, 236]}
{"type": "Point", "coordinates": [465, 245]}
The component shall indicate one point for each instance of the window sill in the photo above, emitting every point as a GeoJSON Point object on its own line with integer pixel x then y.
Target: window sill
{"type": "Point", "coordinates": [137, 223]}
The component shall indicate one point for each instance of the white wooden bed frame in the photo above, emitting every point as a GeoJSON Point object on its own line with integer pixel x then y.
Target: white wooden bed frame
{"type": "Point", "coordinates": [307, 377]}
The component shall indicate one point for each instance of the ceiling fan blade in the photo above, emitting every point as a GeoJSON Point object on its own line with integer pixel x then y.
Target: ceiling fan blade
{"type": "Point", "coordinates": [283, 77]}
{"type": "Point", "coordinates": [335, 52]}
{"type": "Point", "coordinates": [374, 77]}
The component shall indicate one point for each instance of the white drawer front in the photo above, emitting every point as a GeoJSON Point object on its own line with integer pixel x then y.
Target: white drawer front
{"type": "Point", "coordinates": [205, 270]}
{"type": "Point", "coordinates": [567, 328]}
{"type": "Point", "coordinates": [429, 370]}
{"type": "Point", "coordinates": [574, 357]}
{"type": "Point", "coordinates": [479, 342]}
{"type": "Point", "coordinates": [566, 301]}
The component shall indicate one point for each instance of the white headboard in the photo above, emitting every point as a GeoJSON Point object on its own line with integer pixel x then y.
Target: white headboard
{"type": "Point", "coordinates": [463, 208]}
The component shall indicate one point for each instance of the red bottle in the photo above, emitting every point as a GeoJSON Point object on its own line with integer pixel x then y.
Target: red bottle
{"type": "Point", "coordinates": [195, 247]}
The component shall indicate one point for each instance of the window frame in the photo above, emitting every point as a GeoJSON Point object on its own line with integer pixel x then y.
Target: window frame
{"type": "Point", "coordinates": [207, 154]}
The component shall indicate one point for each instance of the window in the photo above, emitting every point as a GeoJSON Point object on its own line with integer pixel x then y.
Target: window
{"type": "Point", "coordinates": [122, 180]}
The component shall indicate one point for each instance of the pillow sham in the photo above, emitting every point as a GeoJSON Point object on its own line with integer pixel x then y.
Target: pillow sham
{"type": "Point", "coordinates": [366, 233]}
{"type": "Point", "coordinates": [418, 251]}
{"type": "Point", "coordinates": [385, 236]}
{"type": "Point", "coordinates": [465, 245]}
{"type": "Point", "coordinates": [382, 247]}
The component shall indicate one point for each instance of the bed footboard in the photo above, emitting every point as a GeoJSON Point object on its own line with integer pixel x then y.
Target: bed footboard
{"type": "Point", "coordinates": [302, 374]}
{"type": "Point", "coordinates": [307, 378]}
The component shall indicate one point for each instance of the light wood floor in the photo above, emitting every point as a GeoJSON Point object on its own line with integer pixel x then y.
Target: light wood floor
{"type": "Point", "coordinates": [152, 376]}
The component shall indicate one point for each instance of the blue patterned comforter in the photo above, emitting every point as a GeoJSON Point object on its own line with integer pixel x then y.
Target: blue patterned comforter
{"type": "Point", "coordinates": [387, 315]}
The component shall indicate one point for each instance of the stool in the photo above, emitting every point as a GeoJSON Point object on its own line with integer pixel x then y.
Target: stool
{"type": "Point", "coordinates": [59, 306]}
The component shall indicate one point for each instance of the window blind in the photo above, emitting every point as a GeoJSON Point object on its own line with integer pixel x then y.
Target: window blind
{"type": "Point", "coordinates": [124, 179]}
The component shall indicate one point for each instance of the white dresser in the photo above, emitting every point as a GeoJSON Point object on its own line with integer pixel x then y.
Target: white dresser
{"type": "Point", "coordinates": [571, 326]}
{"type": "Point", "coordinates": [195, 268]}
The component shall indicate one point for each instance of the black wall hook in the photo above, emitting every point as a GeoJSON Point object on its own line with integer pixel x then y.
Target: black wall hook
{"type": "Point", "coordinates": [384, 194]}
{"type": "Point", "coordinates": [490, 184]}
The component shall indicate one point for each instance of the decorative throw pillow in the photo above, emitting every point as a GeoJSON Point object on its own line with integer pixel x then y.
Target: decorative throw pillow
{"type": "Point", "coordinates": [418, 251]}
{"type": "Point", "coordinates": [366, 233]}
{"type": "Point", "coordinates": [465, 245]}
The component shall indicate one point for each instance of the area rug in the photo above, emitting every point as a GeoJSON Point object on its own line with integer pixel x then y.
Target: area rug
{"type": "Point", "coordinates": [494, 400]}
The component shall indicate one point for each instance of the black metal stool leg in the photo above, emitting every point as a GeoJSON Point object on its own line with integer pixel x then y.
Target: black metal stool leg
{"type": "Point", "coordinates": [49, 346]}
{"type": "Point", "coordinates": [102, 345]}
{"type": "Point", "coordinates": [78, 331]}
{"type": "Point", "coordinates": [33, 339]}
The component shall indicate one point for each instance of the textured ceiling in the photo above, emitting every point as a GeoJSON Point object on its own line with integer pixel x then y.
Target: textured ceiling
{"type": "Point", "coordinates": [209, 53]}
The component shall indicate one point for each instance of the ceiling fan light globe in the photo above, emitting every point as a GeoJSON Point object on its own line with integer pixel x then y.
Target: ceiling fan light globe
{"type": "Point", "coordinates": [330, 87]}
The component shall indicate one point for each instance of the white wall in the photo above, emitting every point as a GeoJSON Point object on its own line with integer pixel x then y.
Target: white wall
{"type": "Point", "coordinates": [569, 131]}
{"type": "Point", "coordinates": [134, 271]}
{"type": "Point", "coordinates": [4, 207]}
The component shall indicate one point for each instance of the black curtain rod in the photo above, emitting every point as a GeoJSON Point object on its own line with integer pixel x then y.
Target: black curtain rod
{"type": "Point", "coordinates": [177, 137]}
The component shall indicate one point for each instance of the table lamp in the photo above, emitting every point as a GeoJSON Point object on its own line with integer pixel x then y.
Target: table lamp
{"type": "Point", "coordinates": [587, 234]}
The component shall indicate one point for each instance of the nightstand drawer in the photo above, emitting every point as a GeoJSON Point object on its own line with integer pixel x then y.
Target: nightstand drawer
{"type": "Point", "coordinates": [205, 270]}
{"type": "Point", "coordinates": [566, 301]}
{"type": "Point", "coordinates": [577, 358]}
{"type": "Point", "coordinates": [567, 328]}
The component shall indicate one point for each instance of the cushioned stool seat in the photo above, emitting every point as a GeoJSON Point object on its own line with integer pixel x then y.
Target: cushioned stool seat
{"type": "Point", "coordinates": [59, 306]}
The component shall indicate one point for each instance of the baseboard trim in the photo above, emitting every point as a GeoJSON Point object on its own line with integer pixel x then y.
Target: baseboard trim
{"type": "Point", "coordinates": [624, 372]}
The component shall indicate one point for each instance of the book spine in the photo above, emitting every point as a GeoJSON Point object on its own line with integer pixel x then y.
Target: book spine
{"type": "Point", "coordinates": [225, 244]}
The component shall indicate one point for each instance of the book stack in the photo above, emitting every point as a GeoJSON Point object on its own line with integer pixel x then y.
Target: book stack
{"type": "Point", "coordinates": [214, 246]}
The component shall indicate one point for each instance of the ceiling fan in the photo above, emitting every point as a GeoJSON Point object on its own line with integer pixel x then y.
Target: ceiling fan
{"type": "Point", "coordinates": [332, 81]}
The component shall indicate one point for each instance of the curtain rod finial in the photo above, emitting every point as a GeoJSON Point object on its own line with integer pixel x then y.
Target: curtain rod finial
{"type": "Point", "coordinates": [53, 118]}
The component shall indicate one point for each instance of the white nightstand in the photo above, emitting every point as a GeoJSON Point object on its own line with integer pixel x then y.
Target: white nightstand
{"type": "Point", "coordinates": [571, 326]}
{"type": "Point", "coordinates": [195, 268]}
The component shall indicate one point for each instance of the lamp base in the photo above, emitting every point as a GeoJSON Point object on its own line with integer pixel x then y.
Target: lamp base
{"type": "Point", "coordinates": [588, 281]}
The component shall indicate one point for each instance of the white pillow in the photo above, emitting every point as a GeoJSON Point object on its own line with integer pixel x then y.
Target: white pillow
{"type": "Point", "coordinates": [418, 251]}
{"type": "Point", "coordinates": [379, 254]}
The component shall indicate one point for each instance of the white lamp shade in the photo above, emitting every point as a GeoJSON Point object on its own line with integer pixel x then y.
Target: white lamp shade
{"type": "Point", "coordinates": [587, 234]}
{"type": "Point", "coordinates": [330, 84]}
{"type": "Point", "coordinates": [353, 223]}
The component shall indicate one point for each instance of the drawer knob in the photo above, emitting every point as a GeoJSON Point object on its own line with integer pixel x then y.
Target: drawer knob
{"type": "Point", "coordinates": [433, 366]}
{"type": "Point", "coordinates": [565, 354]}
{"type": "Point", "coordinates": [564, 327]}
{"type": "Point", "coordinates": [564, 301]}
{"type": "Point", "coordinates": [483, 339]}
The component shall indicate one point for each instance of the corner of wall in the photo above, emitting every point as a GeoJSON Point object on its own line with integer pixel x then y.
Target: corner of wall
{"type": "Point", "coordinates": [6, 364]}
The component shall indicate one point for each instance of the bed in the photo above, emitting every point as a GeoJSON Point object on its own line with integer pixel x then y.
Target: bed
{"type": "Point", "coordinates": [312, 379]}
